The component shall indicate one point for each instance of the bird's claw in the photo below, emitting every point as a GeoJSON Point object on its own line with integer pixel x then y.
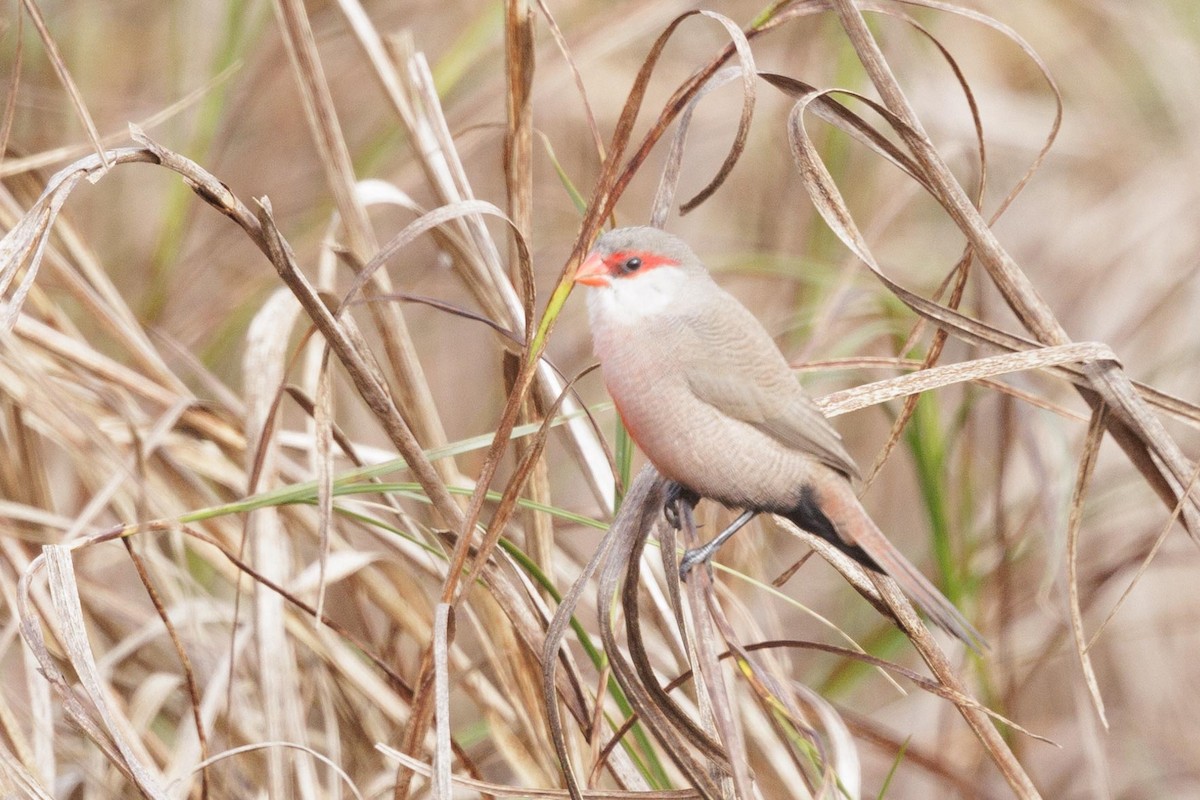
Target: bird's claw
{"type": "Point", "coordinates": [677, 497]}
{"type": "Point", "coordinates": [697, 555]}
{"type": "Point", "coordinates": [704, 553]}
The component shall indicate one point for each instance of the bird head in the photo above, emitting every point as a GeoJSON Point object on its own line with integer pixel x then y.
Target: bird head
{"type": "Point", "coordinates": [628, 255]}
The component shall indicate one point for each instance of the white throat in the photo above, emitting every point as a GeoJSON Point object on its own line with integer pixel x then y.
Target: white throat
{"type": "Point", "coordinates": [632, 300]}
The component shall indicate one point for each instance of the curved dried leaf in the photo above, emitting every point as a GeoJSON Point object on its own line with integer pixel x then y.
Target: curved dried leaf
{"type": "Point", "coordinates": [1087, 465]}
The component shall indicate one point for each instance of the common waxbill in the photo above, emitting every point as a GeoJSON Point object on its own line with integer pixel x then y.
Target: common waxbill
{"type": "Point", "coordinates": [706, 394]}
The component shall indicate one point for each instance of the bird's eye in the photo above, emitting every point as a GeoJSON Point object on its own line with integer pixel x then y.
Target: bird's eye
{"type": "Point", "coordinates": [631, 265]}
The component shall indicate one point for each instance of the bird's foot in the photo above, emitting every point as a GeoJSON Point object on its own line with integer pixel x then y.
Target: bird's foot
{"type": "Point", "coordinates": [704, 553]}
{"type": "Point", "coordinates": [697, 555]}
{"type": "Point", "coordinates": [677, 498]}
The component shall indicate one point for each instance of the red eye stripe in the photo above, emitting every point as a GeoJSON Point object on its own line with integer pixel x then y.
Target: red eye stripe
{"type": "Point", "coordinates": [649, 261]}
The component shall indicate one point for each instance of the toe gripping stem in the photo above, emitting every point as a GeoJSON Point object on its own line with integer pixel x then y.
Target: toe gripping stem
{"type": "Point", "coordinates": [704, 553]}
{"type": "Point", "coordinates": [678, 510]}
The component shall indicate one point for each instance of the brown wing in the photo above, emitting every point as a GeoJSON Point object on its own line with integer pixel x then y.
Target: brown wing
{"type": "Point", "coordinates": [742, 373]}
{"type": "Point", "coordinates": [788, 415]}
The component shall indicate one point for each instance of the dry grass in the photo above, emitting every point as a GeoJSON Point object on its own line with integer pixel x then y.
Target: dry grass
{"type": "Point", "coordinates": [295, 486]}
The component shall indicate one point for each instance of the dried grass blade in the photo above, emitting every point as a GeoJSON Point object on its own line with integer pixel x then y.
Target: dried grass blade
{"type": "Point", "coordinates": [1135, 429]}
{"type": "Point", "coordinates": [185, 662]}
{"type": "Point", "coordinates": [612, 180]}
{"type": "Point", "coordinates": [372, 392]}
{"type": "Point", "coordinates": [198, 179]}
{"type": "Point", "coordinates": [322, 119]}
{"type": "Point", "coordinates": [441, 688]}
{"type": "Point", "coordinates": [664, 198]}
{"type": "Point", "coordinates": [428, 221]}
{"type": "Point", "coordinates": [1043, 69]}
{"type": "Point", "coordinates": [358, 340]}
{"type": "Point", "coordinates": [502, 790]}
{"type": "Point", "coordinates": [126, 468]}
{"type": "Point", "coordinates": [973, 106]}
{"type": "Point", "coordinates": [854, 574]}
{"type": "Point", "coordinates": [1142, 425]}
{"type": "Point", "coordinates": [451, 589]}
{"type": "Point", "coordinates": [84, 279]}
{"type": "Point", "coordinates": [65, 594]}
{"type": "Point", "coordinates": [979, 333]}
{"type": "Point", "coordinates": [16, 750]}
{"type": "Point", "coordinates": [488, 280]}
{"type": "Point", "coordinates": [924, 380]}
{"type": "Point", "coordinates": [453, 585]}
{"type": "Point", "coordinates": [415, 400]}
{"type": "Point", "coordinates": [997, 749]}
{"type": "Point", "coordinates": [414, 396]}
{"type": "Point", "coordinates": [746, 63]}
{"type": "Point", "coordinates": [909, 407]}
{"type": "Point", "coordinates": [342, 775]}
{"type": "Point", "coordinates": [64, 75]}
{"type": "Point", "coordinates": [323, 417]}
{"type": "Point", "coordinates": [14, 83]}
{"type": "Point", "coordinates": [76, 414]}
{"type": "Point", "coordinates": [850, 123]}
{"type": "Point", "coordinates": [264, 366]}
{"type": "Point", "coordinates": [838, 756]}
{"type": "Point", "coordinates": [611, 186]}
{"type": "Point", "coordinates": [1145, 565]}
{"type": "Point", "coordinates": [481, 565]}
{"type": "Point", "coordinates": [560, 42]}
{"type": "Point", "coordinates": [453, 185]}
{"type": "Point", "coordinates": [77, 708]}
{"type": "Point", "coordinates": [925, 684]}
{"type": "Point", "coordinates": [41, 673]}
{"type": "Point", "coordinates": [556, 631]}
{"type": "Point", "coordinates": [886, 668]}
{"type": "Point", "coordinates": [640, 655]}
{"type": "Point", "coordinates": [14, 774]}
{"type": "Point", "coordinates": [701, 594]}
{"type": "Point", "coordinates": [1177, 407]}
{"type": "Point", "coordinates": [1087, 465]}
{"type": "Point", "coordinates": [518, 133]}
{"type": "Point", "coordinates": [642, 507]}
{"type": "Point", "coordinates": [512, 491]}
{"type": "Point", "coordinates": [1138, 431]}
{"type": "Point", "coordinates": [961, 270]}
{"type": "Point", "coordinates": [883, 593]}
{"type": "Point", "coordinates": [518, 175]}
{"type": "Point", "coordinates": [1011, 282]}
{"type": "Point", "coordinates": [25, 244]}
{"type": "Point", "coordinates": [415, 101]}
{"type": "Point", "coordinates": [931, 760]}
{"type": "Point", "coordinates": [48, 158]}
{"type": "Point", "coordinates": [553, 650]}
{"type": "Point", "coordinates": [843, 769]}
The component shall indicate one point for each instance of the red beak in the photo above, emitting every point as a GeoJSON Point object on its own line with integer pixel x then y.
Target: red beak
{"type": "Point", "coordinates": [593, 271]}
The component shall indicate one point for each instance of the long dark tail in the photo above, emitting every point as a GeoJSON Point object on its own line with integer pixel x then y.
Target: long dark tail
{"type": "Point", "coordinates": [830, 509]}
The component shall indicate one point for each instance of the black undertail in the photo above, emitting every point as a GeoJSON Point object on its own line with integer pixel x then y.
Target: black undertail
{"type": "Point", "coordinates": [808, 515]}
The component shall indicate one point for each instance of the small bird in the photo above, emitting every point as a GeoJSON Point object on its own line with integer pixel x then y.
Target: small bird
{"type": "Point", "coordinates": [706, 394]}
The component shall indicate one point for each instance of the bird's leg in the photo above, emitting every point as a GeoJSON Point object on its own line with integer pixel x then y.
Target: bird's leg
{"type": "Point", "coordinates": [677, 497]}
{"type": "Point", "coordinates": [704, 552]}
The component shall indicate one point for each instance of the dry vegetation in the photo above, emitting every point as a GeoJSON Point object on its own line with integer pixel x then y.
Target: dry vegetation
{"type": "Point", "coordinates": [303, 330]}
